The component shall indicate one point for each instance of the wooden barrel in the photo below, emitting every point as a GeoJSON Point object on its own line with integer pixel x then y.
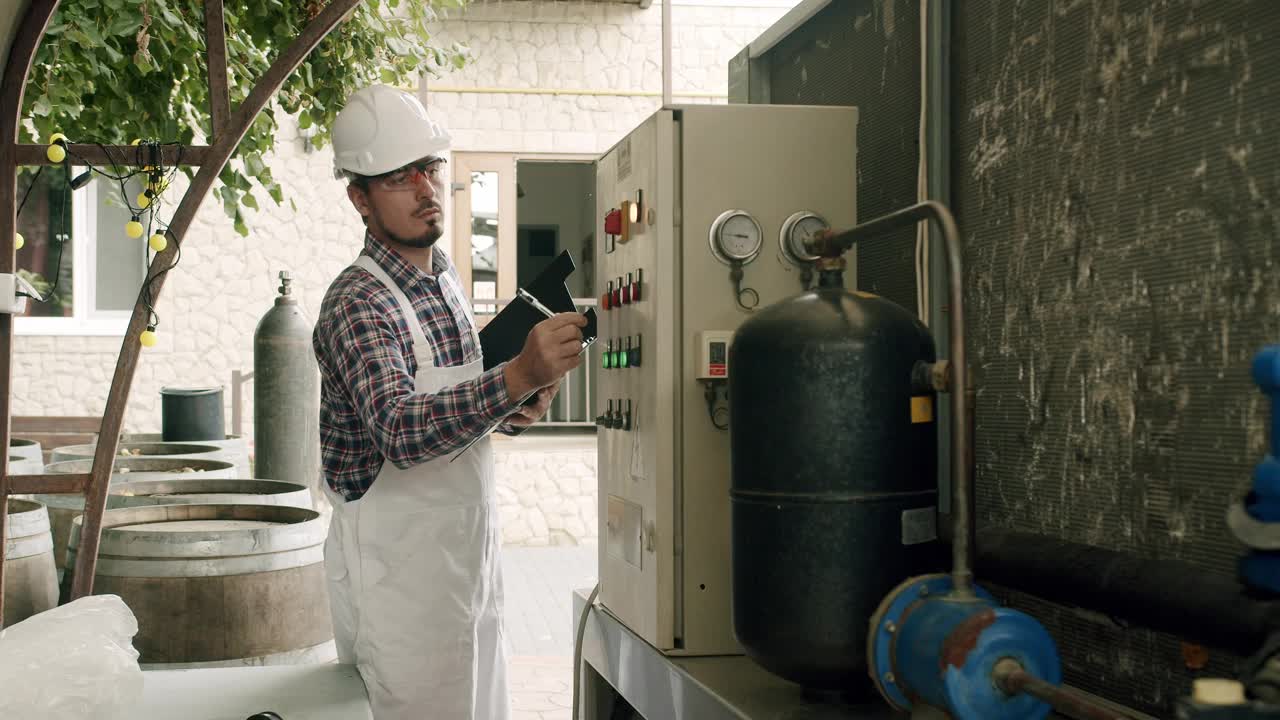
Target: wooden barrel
{"type": "Point", "coordinates": [30, 579]}
{"type": "Point", "coordinates": [19, 465]}
{"type": "Point", "coordinates": [65, 508]}
{"type": "Point", "coordinates": [27, 449]}
{"type": "Point", "coordinates": [232, 449]}
{"type": "Point", "coordinates": [209, 492]}
{"type": "Point", "coordinates": [218, 585]}
{"type": "Point", "coordinates": [144, 449]}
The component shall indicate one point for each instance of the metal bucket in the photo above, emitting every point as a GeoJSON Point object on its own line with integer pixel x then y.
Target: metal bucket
{"type": "Point", "coordinates": [191, 414]}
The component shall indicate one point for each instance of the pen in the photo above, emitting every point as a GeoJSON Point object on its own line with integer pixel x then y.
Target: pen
{"type": "Point", "coordinates": [528, 297]}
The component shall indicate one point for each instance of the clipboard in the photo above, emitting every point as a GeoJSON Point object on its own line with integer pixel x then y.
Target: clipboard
{"type": "Point", "coordinates": [503, 337]}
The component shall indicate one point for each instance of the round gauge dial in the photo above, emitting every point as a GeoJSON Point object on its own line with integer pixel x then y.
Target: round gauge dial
{"type": "Point", "coordinates": [736, 237]}
{"type": "Point", "coordinates": [799, 228]}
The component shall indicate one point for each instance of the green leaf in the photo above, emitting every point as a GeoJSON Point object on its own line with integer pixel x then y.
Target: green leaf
{"type": "Point", "coordinates": [253, 164]}
{"type": "Point", "coordinates": [304, 120]}
{"type": "Point", "coordinates": [388, 76]}
{"type": "Point", "coordinates": [124, 24]}
{"type": "Point", "coordinates": [277, 193]}
{"type": "Point", "coordinates": [240, 226]}
{"type": "Point", "coordinates": [249, 201]}
{"type": "Point", "coordinates": [143, 63]}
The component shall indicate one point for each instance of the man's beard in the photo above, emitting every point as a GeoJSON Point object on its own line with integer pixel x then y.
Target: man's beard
{"type": "Point", "coordinates": [425, 240]}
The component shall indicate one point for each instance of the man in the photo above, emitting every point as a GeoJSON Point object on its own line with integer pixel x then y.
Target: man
{"type": "Point", "coordinates": [412, 552]}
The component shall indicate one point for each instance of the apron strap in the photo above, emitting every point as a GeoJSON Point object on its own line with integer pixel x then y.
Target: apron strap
{"type": "Point", "coordinates": [421, 348]}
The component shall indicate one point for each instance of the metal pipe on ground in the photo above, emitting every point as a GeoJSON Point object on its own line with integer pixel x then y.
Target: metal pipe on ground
{"type": "Point", "coordinates": [1215, 610]}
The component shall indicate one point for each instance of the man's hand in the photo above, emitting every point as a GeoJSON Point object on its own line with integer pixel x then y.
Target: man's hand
{"type": "Point", "coordinates": [553, 348]}
{"type": "Point", "coordinates": [528, 415]}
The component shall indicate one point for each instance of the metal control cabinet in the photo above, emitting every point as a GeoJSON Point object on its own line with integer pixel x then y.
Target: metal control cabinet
{"type": "Point", "coordinates": [663, 463]}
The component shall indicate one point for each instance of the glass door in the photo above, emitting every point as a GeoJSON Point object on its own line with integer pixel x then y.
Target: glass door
{"type": "Point", "coordinates": [484, 229]}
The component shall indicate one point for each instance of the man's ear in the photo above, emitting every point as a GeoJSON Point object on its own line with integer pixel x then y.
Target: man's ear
{"type": "Point", "coordinates": [359, 198]}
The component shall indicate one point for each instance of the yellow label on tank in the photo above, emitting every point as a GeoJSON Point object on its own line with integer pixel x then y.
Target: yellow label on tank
{"type": "Point", "coordinates": [864, 294]}
{"type": "Point", "coordinates": [921, 409]}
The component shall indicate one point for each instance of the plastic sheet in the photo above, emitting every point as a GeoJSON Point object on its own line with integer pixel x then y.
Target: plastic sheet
{"type": "Point", "coordinates": [72, 662]}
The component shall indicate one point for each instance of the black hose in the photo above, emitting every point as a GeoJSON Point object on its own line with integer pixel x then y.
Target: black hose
{"type": "Point", "coordinates": [1167, 596]}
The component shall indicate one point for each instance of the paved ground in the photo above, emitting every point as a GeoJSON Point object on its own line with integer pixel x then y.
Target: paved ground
{"type": "Point", "coordinates": [539, 624]}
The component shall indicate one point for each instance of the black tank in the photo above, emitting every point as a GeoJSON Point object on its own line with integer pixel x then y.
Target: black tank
{"type": "Point", "coordinates": [833, 478]}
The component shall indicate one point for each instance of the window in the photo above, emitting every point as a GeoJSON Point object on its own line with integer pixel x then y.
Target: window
{"type": "Point", "coordinates": [484, 240]}
{"type": "Point", "coordinates": [80, 243]}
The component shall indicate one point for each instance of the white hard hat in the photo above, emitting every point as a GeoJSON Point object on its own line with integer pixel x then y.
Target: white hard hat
{"type": "Point", "coordinates": [382, 128]}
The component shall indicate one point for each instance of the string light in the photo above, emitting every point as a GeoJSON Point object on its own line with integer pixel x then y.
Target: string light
{"type": "Point", "coordinates": [147, 161]}
{"type": "Point", "coordinates": [57, 151]}
{"type": "Point", "coordinates": [18, 241]}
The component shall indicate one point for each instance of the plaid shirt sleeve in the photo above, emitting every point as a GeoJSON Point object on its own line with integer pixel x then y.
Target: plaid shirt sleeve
{"type": "Point", "coordinates": [408, 428]}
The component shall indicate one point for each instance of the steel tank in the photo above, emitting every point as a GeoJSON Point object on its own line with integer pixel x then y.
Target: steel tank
{"type": "Point", "coordinates": [286, 394]}
{"type": "Point", "coordinates": [833, 485]}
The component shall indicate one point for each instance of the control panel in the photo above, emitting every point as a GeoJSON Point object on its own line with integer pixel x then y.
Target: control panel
{"type": "Point", "coordinates": [702, 213]}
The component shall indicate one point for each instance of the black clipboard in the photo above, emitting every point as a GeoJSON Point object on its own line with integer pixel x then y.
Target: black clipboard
{"type": "Point", "coordinates": [503, 337]}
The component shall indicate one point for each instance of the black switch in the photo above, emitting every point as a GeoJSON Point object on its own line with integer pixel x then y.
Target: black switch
{"type": "Point", "coordinates": [626, 424]}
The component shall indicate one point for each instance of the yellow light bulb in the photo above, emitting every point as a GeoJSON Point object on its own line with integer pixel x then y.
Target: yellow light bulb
{"type": "Point", "coordinates": [136, 141]}
{"type": "Point", "coordinates": [56, 153]}
{"type": "Point", "coordinates": [158, 243]}
{"type": "Point", "coordinates": [18, 241]}
{"type": "Point", "coordinates": [56, 137]}
{"type": "Point", "coordinates": [143, 201]}
{"type": "Point", "coordinates": [148, 338]}
{"type": "Point", "coordinates": [133, 228]}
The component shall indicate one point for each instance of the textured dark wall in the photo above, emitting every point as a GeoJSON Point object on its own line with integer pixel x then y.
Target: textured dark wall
{"type": "Point", "coordinates": [1116, 174]}
{"type": "Point", "coordinates": [866, 53]}
{"type": "Point", "coordinates": [1116, 169]}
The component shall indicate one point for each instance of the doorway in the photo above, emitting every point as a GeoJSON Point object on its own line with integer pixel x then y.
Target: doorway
{"type": "Point", "coordinates": [555, 212]}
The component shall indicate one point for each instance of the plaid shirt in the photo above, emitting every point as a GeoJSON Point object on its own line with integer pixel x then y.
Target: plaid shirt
{"type": "Point", "coordinates": [369, 411]}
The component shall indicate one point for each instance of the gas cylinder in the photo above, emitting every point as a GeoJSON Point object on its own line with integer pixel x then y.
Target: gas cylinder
{"type": "Point", "coordinates": [286, 394]}
{"type": "Point", "coordinates": [833, 486]}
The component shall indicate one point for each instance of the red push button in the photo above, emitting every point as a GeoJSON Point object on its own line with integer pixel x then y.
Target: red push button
{"type": "Point", "coordinates": [635, 286]}
{"type": "Point", "coordinates": [607, 299]}
{"type": "Point", "coordinates": [613, 222]}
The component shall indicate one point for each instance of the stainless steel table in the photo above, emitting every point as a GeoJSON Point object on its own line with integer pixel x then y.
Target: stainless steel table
{"type": "Point", "coordinates": [621, 664]}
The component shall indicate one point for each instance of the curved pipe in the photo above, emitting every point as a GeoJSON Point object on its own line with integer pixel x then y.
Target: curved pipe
{"type": "Point", "coordinates": [962, 502]}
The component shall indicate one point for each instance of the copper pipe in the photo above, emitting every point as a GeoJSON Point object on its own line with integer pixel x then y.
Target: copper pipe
{"type": "Point", "coordinates": [961, 440]}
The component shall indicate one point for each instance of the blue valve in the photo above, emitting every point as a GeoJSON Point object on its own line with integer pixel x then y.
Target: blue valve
{"type": "Point", "coordinates": [1261, 567]}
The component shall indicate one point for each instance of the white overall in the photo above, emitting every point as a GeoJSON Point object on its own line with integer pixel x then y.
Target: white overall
{"type": "Point", "coordinates": [414, 579]}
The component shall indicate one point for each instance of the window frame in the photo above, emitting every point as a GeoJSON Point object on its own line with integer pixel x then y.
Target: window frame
{"type": "Point", "coordinates": [86, 319]}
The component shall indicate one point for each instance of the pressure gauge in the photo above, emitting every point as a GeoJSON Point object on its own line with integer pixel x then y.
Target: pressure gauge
{"type": "Point", "coordinates": [736, 237]}
{"type": "Point", "coordinates": [796, 230]}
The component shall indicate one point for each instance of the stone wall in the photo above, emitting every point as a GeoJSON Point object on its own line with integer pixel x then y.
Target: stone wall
{"type": "Point", "coordinates": [547, 489]}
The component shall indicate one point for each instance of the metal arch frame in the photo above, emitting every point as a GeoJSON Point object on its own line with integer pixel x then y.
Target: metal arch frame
{"type": "Point", "coordinates": [229, 128]}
